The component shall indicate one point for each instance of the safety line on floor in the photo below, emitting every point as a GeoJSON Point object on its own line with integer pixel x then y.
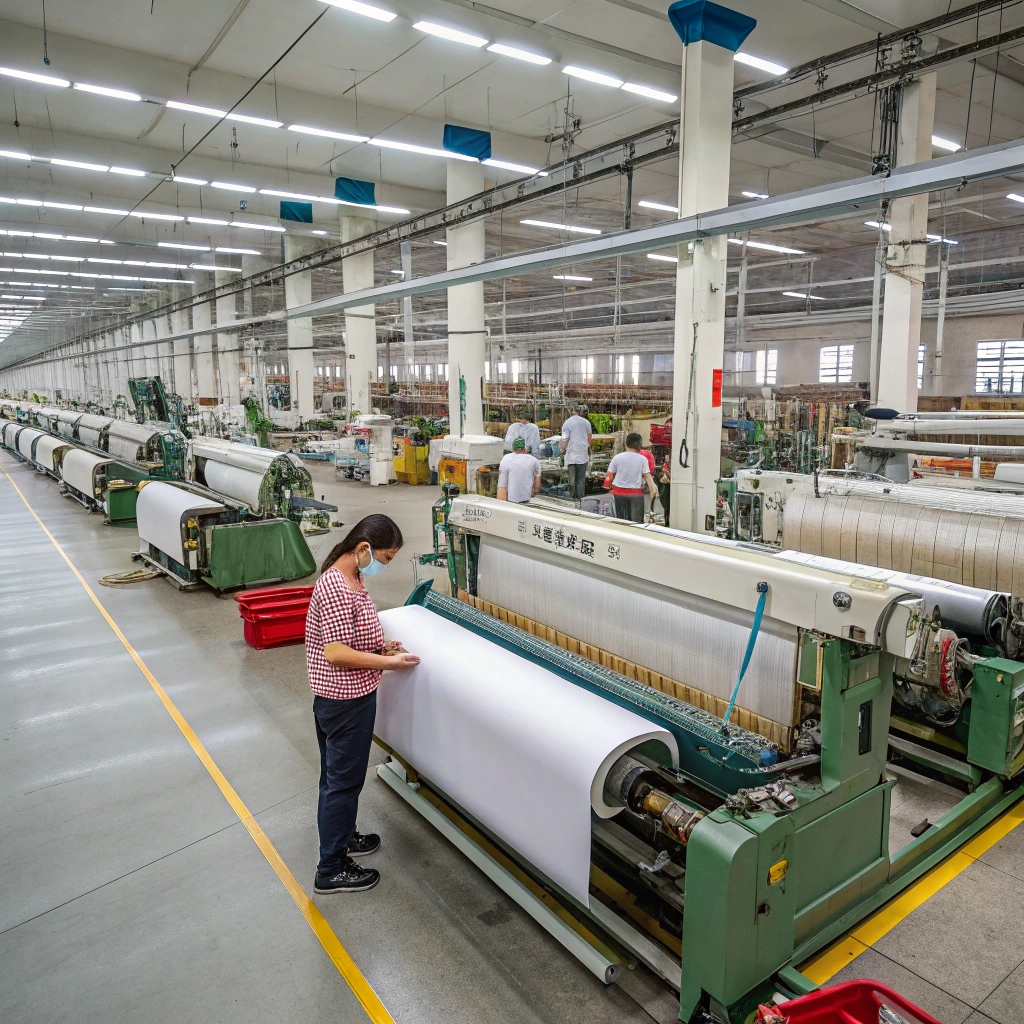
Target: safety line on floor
{"type": "Point", "coordinates": [832, 960]}
{"type": "Point", "coordinates": [332, 945]}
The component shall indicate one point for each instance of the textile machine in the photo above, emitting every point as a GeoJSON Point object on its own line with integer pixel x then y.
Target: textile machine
{"type": "Point", "coordinates": [729, 829]}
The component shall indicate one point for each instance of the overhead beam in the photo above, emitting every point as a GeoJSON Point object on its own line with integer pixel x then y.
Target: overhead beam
{"type": "Point", "coordinates": [956, 170]}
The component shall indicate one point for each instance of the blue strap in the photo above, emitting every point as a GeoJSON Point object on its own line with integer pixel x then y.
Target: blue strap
{"type": "Point", "coordinates": [762, 589]}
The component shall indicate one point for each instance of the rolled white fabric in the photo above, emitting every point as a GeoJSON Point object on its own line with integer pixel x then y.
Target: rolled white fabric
{"type": "Point", "coordinates": [521, 749]}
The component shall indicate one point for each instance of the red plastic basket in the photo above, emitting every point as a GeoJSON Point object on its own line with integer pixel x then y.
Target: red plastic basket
{"type": "Point", "coordinates": [274, 617]}
{"type": "Point", "coordinates": [851, 1002]}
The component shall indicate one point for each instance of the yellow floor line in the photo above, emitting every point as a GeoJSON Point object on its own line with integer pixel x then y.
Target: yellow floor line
{"type": "Point", "coordinates": [332, 944]}
{"type": "Point", "coordinates": [833, 959]}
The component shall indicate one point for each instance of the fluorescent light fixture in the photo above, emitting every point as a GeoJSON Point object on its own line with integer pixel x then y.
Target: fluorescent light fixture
{"type": "Point", "coordinates": [63, 206]}
{"type": "Point", "coordinates": [130, 172]}
{"type": "Point", "coordinates": [254, 227]}
{"type": "Point", "coordinates": [592, 76]}
{"type": "Point", "coordinates": [239, 252]}
{"type": "Point", "coordinates": [12, 155]}
{"type": "Point", "coordinates": [182, 180]}
{"type": "Point", "coordinates": [193, 108]}
{"type": "Point", "coordinates": [289, 195]}
{"type": "Point", "coordinates": [30, 76]}
{"type": "Point", "coordinates": [327, 133]}
{"type": "Point", "coordinates": [82, 164]}
{"type": "Point", "coordinates": [29, 202]}
{"type": "Point", "coordinates": [560, 227]}
{"type": "Point", "coordinates": [506, 166]}
{"type": "Point", "coordinates": [318, 232]}
{"type": "Point", "coordinates": [517, 54]}
{"type": "Point", "coordinates": [662, 257]}
{"type": "Point", "coordinates": [400, 211]}
{"type": "Point", "coordinates": [208, 220]}
{"type": "Point", "coordinates": [232, 186]}
{"type": "Point", "coordinates": [79, 238]}
{"type": "Point", "coordinates": [651, 94]}
{"type": "Point", "coordinates": [802, 295]}
{"type": "Point", "coordinates": [755, 195]}
{"type": "Point", "coordinates": [207, 266]}
{"type": "Point", "coordinates": [367, 10]}
{"type": "Point", "coordinates": [760, 63]}
{"type": "Point", "coordinates": [452, 34]}
{"type": "Point", "coordinates": [249, 119]}
{"type": "Point", "coordinates": [1016, 198]}
{"type": "Point", "coordinates": [162, 266]}
{"type": "Point", "coordinates": [649, 204]}
{"type": "Point", "coordinates": [437, 241]}
{"type": "Point", "coordinates": [410, 147]}
{"type": "Point", "coordinates": [142, 215]}
{"type": "Point", "coordinates": [939, 238]}
{"type": "Point", "coordinates": [940, 143]}
{"type": "Point", "coordinates": [183, 245]}
{"type": "Point", "coordinates": [769, 247]}
{"type": "Point", "coordinates": [46, 234]}
{"type": "Point", "coordinates": [100, 259]}
{"type": "Point", "coordinates": [570, 277]}
{"type": "Point", "coordinates": [68, 259]}
{"type": "Point", "coordinates": [102, 90]}
{"type": "Point", "coordinates": [877, 224]}
{"type": "Point", "coordinates": [401, 273]}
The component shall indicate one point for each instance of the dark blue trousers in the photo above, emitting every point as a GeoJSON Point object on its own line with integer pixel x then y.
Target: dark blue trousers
{"type": "Point", "coordinates": [344, 730]}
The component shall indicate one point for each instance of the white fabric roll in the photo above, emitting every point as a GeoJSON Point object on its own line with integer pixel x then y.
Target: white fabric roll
{"type": "Point", "coordinates": [521, 749]}
{"type": "Point", "coordinates": [159, 513]}
{"type": "Point", "coordinates": [233, 482]}
{"type": "Point", "coordinates": [78, 468]}
{"type": "Point", "coordinates": [45, 449]}
{"type": "Point", "coordinates": [25, 439]}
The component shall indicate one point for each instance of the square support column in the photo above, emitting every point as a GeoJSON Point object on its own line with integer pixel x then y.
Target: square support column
{"type": "Point", "coordinates": [710, 35]}
{"type": "Point", "coordinates": [298, 290]}
{"type": "Point", "coordinates": [360, 322]}
{"type": "Point", "coordinates": [467, 334]}
{"type": "Point", "coordinates": [202, 349]}
{"type": "Point", "coordinates": [227, 341]}
{"type": "Point", "coordinates": [905, 256]}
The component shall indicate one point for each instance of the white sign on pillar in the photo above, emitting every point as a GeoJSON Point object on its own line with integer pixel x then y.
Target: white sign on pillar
{"type": "Point", "coordinates": [710, 35]}
{"type": "Point", "coordinates": [905, 255]}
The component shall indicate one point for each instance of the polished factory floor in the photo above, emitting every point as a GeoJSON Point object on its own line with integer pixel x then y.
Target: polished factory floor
{"type": "Point", "coordinates": [132, 891]}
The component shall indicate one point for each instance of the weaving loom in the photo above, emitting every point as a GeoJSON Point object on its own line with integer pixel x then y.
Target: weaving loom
{"type": "Point", "coordinates": [706, 836]}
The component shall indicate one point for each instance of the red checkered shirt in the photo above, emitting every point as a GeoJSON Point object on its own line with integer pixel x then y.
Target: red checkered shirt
{"type": "Point", "coordinates": [340, 615]}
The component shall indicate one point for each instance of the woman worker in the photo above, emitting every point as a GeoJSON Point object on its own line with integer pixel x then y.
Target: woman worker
{"type": "Point", "coordinates": [345, 655]}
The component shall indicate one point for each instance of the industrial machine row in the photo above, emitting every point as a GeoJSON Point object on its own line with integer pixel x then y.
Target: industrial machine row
{"type": "Point", "coordinates": [208, 511]}
{"type": "Point", "coordinates": [747, 825]}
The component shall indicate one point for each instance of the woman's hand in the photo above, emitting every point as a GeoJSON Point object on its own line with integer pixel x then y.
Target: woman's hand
{"type": "Point", "coordinates": [401, 660]}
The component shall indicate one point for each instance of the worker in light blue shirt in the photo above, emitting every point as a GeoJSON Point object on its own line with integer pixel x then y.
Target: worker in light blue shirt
{"type": "Point", "coordinates": [526, 430]}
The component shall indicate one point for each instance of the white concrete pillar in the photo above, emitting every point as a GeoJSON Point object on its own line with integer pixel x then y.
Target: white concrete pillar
{"type": "Point", "coordinates": [181, 378]}
{"type": "Point", "coordinates": [905, 256]}
{"type": "Point", "coordinates": [298, 290]}
{"type": "Point", "coordinates": [202, 348]}
{"type": "Point", "coordinates": [360, 322]}
{"type": "Point", "coordinates": [467, 335]}
{"type": "Point", "coordinates": [700, 281]}
{"type": "Point", "coordinates": [227, 341]}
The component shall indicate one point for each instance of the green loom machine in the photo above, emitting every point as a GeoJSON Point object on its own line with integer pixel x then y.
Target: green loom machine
{"type": "Point", "coordinates": [771, 838]}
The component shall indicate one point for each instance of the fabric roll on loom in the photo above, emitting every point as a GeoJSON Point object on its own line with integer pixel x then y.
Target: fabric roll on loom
{"type": "Point", "coordinates": [526, 755]}
{"type": "Point", "coordinates": [129, 440]}
{"type": "Point", "coordinates": [961, 537]}
{"type": "Point", "coordinates": [25, 439]}
{"type": "Point", "coordinates": [77, 470]}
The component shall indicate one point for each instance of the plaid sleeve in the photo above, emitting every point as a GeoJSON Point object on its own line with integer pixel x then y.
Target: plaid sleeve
{"type": "Point", "coordinates": [338, 612]}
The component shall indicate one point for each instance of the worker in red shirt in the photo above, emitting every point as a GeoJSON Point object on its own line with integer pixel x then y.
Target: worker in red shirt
{"type": "Point", "coordinates": [345, 656]}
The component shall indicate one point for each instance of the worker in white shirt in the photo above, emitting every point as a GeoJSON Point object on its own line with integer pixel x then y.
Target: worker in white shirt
{"type": "Point", "coordinates": [526, 429]}
{"type": "Point", "coordinates": [518, 474]}
{"type": "Point", "coordinates": [577, 434]}
{"type": "Point", "coordinates": [627, 473]}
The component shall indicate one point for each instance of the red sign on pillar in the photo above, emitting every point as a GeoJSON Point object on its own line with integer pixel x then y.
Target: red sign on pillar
{"type": "Point", "coordinates": [716, 389]}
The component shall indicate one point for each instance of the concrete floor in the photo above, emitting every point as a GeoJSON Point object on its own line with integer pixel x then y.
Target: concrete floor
{"type": "Point", "coordinates": [131, 892]}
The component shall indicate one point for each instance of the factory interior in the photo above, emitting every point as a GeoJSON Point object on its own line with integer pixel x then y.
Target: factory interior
{"type": "Point", "coordinates": [572, 452]}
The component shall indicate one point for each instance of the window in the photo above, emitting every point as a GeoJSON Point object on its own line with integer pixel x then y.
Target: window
{"type": "Point", "coordinates": [515, 371]}
{"type": "Point", "coordinates": [319, 371]}
{"type": "Point", "coordinates": [394, 373]}
{"type": "Point", "coordinates": [835, 364]}
{"type": "Point", "coordinates": [920, 366]}
{"type": "Point", "coordinates": [487, 371]}
{"type": "Point", "coordinates": [636, 369]}
{"type": "Point", "coordinates": [502, 370]}
{"type": "Point", "coordinates": [426, 371]}
{"type": "Point", "coordinates": [442, 370]}
{"type": "Point", "coordinates": [620, 369]}
{"type": "Point", "coordinates": [767, 363]}
{"type": "Point", "coordinates": [380, 373]}
{"type": "Point", "coordinates": [1000, 367]}
{"type": "Point", "coordinates": [587, 370]}
{"type": "Point", "coordinates": [337, 372]}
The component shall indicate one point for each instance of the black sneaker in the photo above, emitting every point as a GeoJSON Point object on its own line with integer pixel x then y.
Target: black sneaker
{"type": "Point", "coordinates": [352, 877]}
{"type": "Point", "coordinates": [362, 846]}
